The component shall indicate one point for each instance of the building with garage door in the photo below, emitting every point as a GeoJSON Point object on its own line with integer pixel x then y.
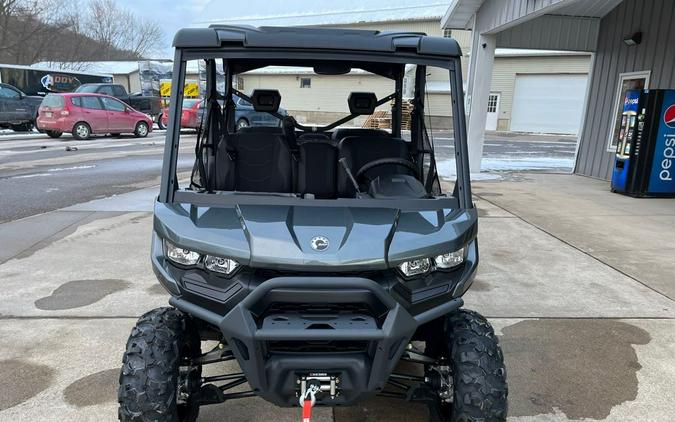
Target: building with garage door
{"type": "Point", "coordinates": [632, 45]}
{"type": "Point", "coordinates": [522, 80]}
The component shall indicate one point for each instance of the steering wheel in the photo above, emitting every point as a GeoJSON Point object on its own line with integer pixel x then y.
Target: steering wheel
{"type": "Point", "coordinates": [387, 161]}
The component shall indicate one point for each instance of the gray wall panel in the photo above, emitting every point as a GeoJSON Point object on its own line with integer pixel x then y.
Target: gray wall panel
{"type": "Point", "coordinates": [553, 32]}
{"type": "Point", "coordinates": [656, 53]}
{"type": "Point", "coordinates": [495, 13]}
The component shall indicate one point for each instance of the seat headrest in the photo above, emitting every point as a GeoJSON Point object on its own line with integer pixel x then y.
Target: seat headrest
{"type": "Point", "coordinates": [362, 102]}
{"type": "Point", "coordinates": [266, 100]}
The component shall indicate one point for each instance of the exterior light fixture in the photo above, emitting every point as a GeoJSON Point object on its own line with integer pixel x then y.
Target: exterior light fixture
{"type": "Point", "coordinates": [634, 39]}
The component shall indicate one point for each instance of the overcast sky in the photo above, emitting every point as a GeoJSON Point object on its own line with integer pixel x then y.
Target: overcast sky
{"type": "Point", "coordinates": [170, 14]}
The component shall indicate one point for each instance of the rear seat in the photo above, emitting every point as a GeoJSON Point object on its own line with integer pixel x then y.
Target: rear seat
{"type": "Point", "coordinates": [262, 161]}
{"type": "Point", "coordinates": [254, 162]}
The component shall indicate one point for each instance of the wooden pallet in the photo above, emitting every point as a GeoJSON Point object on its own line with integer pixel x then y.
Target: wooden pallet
{"type": "Point", "coordinates": [371, 122]}
{"type": "Point", "coordinates": [382, 119]}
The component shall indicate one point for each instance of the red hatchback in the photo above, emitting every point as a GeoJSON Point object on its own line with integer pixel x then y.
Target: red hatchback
{"type": "Point", "coordinates": [190, 116]}
{"type": "Point", "coordinates": [84, 114]}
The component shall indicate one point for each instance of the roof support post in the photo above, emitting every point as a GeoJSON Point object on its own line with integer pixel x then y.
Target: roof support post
{"type": "Point", "coordinates": [480, 74]}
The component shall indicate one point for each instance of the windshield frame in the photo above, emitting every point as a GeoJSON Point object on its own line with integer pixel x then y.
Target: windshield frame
{"type": "Point", "coordinates": [170, 191]}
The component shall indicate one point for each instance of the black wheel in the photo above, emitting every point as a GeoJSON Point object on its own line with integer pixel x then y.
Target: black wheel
{"type": "Point", "coordinates": [54, 134]}
{"type": "Point", "coordinates": [81, 131]}
{"type": "Point", "coordinates": [23, 127]}
{"type": "Point", "coordinates": [160, 123]}
{"type": "Point", "coordinates": [141, 130]}
{"type": "Point", "coordinates": [242, 123]}
{"type": "Point", "coordinates": [472, 376]}
{"type": "Point", "coordinates": [157, 382]}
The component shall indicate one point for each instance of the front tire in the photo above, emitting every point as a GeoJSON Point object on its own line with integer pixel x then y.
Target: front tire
{"type": "Point", "coordinates": [163, 341]}
{"type": "Point", "coordinates": [477, 369]}
{"type": "Point", "coordinates": [23, 127]}
{"type": "Point", "coordinates": [141, 130]}
{"type": "Point", "coordinates": [81, 131]}
{"type": "Point", "coordinates": [242, 123]}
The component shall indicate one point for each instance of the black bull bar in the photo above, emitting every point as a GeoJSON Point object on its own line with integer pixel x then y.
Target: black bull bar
{"type": "Point", "coordinates": [274, 376]}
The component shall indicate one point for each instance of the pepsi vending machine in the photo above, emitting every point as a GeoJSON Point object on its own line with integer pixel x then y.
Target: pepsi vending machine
{"type": "Point", "coordinates": [645, 152]}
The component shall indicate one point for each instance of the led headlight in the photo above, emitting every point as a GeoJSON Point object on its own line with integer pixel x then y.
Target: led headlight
{"type": "Point", "coordinates": [180, 255]}
{"type": "Point", "coordinates": [450, 260]}
{"type": "Point", "coordinates": [220, 265]}
{"type": "Point", "coordinates": [415, 267]}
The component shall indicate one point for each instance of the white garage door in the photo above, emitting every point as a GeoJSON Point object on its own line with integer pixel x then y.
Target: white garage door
{"type": "Point", "coordinates": [548, 103]}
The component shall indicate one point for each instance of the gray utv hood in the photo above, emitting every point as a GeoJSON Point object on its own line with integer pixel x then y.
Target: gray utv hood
{"type": "Point", "coordinates": [281, 237]}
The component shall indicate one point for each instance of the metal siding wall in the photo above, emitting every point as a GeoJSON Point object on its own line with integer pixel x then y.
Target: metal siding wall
{"type": "Point", "coordinates": [655, 53]}
{"type": "Point", "coordinates": [552, 32]}
{"type": "Point", "coordinates": [495, 13]}
{"type": "Point", "coordinates": [430, 27]}
{"type": "Point", "coordinates": [327, 94]}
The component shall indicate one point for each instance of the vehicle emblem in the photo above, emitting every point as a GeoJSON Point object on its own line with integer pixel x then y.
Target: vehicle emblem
{"type": "Point", "coordinates": [319, 243]}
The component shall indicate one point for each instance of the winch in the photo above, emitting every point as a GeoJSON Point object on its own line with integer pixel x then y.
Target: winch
{"type": "Point", "coordinates": [322, 383]}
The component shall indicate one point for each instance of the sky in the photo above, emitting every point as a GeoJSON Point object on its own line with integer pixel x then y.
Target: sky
{"type": "Point", "coordinates": [170, 14]}
{"type": "Point", "coordinates": [173, 15]}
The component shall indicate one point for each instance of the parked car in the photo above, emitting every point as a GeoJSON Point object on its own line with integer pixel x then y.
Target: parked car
{"type": "Point", "coordinates": [190, 116]}
{"type": "Point", "coordinates": [17, 110]}
{"type": "Point", "coordinates": [244, 116]}
{"type": "Point", "coordinates": [85, 114]}
{"type": "Point", "coordinates": [150, 105]}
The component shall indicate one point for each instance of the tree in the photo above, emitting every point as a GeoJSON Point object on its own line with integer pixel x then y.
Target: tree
{"type": "Point", "coordinates": [120, 28]}
{"type": "Point", "coordinates": [64, 31]}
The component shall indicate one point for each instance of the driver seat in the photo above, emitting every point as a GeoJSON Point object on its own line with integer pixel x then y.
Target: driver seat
{"type": "Point", "coordinates": [360, 150]}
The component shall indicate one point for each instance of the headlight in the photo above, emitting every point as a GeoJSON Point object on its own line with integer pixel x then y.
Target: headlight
{"type": "Point", "coordinates": [180, 255]}
{"type": "Point", "coordinates": [220, 265]}
{"type": "Point", "coordinates": [450, 260]}
{"type": "Point", "coordinates": [425, 265]}
{"type": "Point", "coordinates": [415, 267]}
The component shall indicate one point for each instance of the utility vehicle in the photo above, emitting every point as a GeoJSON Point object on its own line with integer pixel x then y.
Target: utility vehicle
{"type": "Point", "coordinates": [314, 258]}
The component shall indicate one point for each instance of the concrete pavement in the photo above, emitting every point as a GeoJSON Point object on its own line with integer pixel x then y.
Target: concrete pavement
{"type": "Point", "coordinates": [587, 335]}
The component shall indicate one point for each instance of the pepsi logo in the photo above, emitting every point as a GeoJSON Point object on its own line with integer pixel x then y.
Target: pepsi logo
{"type": "Point", "coordinates": [669, 117]}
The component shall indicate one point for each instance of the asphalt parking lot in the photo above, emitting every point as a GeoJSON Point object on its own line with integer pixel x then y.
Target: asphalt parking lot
{"type": "Point", "coordinates": [584, 311]}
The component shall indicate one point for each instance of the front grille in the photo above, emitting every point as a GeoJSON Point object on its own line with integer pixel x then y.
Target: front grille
{"type": "Point", "coordinates": [346, 346]}
{"type": "Point", "coordinates": [319, 308]}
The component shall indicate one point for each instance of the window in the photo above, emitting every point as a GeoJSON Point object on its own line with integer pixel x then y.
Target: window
{"type": "Point", "coordinates": [240, 83]}
{"type": "Point", "coordinates": [113, 105]}
{"type": "Point", "coordinates": [6, 92]}
{"type": "Point", "coordinates": [91, 102]}
{"type": "Point", "coordinates": [76, 101]}
{"type": "Point", "coordinates": [106, 89]}
{"type": "Point", "coordinates": [305, 82]}
{"type": "Point", "coordinates": [447, 33]}
{"type": "Point", "coordinates": [243, 102]}
{"type": "Point", "coordinates": [493, 99]}
{"type": "Point", "coordinates": [118, 91]}
{"type": "Point", "coordinates": [52, 100]}
{"type": "Point", "coordinates": [627, 81]}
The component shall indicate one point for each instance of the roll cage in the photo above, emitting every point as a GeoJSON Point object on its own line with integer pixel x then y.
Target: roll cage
{"type": "Point", "coordinates": [239, 49]}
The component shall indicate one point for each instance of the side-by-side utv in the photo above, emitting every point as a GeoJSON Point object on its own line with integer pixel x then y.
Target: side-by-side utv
{"type": "Point", "coordinates": [324, 259]}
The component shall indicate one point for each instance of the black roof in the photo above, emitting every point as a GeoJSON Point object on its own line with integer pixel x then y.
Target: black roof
{"type": "Point", "coordinates": [316, 38]}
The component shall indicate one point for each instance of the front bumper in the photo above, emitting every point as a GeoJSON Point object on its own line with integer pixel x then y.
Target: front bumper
{"type": "Point", "coordinates": [360, 349]}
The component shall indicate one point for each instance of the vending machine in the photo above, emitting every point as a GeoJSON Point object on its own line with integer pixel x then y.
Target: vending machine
{"type": "Point", "coordinates": [645, 152]}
